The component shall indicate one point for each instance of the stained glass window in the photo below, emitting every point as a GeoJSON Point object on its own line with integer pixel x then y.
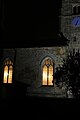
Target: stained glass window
{"type": "Point", "coordinates": [8, 71]}
{"type": "Point", "coordinates": [47, 72]}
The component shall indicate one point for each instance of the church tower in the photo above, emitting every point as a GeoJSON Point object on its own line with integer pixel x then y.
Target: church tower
{"type": "Point", "coordinates": [70, 22]}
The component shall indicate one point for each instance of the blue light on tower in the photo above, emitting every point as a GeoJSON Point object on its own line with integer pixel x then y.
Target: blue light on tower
{"type": "Point", "coordinates": [76, 22]}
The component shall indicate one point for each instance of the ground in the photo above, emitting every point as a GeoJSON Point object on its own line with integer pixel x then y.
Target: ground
{"type": "Point", "coordinates": [36, 106]}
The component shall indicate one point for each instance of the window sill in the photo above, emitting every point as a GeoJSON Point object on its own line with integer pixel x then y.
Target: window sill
{"type": "Point", "coordinates": [47, 86]}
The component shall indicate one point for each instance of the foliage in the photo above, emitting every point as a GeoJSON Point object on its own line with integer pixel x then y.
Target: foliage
{"type": "Point", "coordinates": [70, 73]}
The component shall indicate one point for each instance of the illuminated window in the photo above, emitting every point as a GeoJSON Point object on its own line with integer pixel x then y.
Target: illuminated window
{"type": "Point", "coordinates": [8, 71]}
{"type": "Point", "coordinates": [47, 72]}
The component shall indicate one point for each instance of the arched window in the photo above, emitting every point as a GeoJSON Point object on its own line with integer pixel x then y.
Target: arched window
{"type": "Point", "coordinates": [76, 10]}
{"type": "Point", "coordinates": [8, 71]}
{"type": "Point", "coordinates": [47, 72]}
{"type": "Point", "coordinates": [79, 9]}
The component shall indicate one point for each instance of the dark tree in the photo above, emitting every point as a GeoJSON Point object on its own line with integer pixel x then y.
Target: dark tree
{"type": "Point", "coordinates": [70, 73]}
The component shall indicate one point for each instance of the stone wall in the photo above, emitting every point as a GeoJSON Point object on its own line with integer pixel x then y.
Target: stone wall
{"type": "Point", "coordinates": [8, 53]}
{"type": "Point", "coordinates": [28, 66]}
{"type": "Point", "coordinates": [66, 27]}
{"type": "Point", "coordinates": [28, 61]}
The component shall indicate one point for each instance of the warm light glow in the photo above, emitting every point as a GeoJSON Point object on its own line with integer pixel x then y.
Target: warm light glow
{"type": "Point", "coordinates": [50, 75]}
{"type": "Point", "coordinates": [44, 75]}
{"type": "Point", "coordinates": [10, 74]}
{"type": "Point", "coordinates": [5, 74]}
{"type": "Point", "coordinates": [8, 71]}
{"type": "Point", "coordinates": [47, 72]}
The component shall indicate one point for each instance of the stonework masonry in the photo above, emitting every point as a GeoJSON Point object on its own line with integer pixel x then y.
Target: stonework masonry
{"type": "Point", "coordinates": [66, 27]}
{"type": "Point", "coordinates": [28, 60]}
{"type": "Point", "coordinates": [28, 65]}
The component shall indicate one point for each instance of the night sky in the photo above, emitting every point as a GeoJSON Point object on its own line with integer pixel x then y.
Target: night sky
{"type": "Point", "coordinates": [30, 20]}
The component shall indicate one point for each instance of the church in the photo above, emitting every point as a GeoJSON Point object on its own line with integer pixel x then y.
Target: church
{"type": "Point", "coordinates": [35, 66]}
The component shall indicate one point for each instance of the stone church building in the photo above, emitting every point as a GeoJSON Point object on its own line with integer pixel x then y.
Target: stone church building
{"type": "Point", "coordinates": [36, 66]}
